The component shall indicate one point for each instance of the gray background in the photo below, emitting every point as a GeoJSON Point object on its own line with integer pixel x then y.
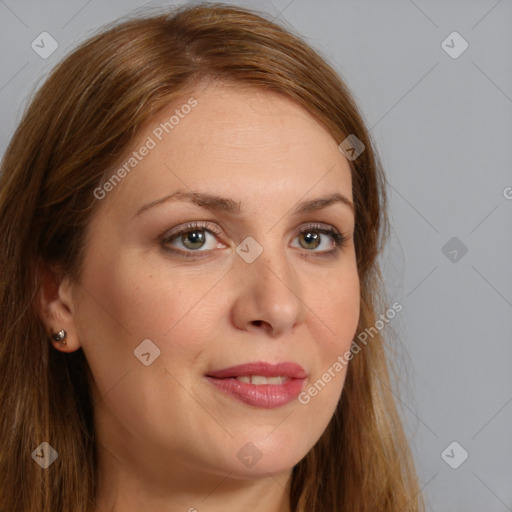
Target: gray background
{"type": "Point", "coordinates": [443, 128]}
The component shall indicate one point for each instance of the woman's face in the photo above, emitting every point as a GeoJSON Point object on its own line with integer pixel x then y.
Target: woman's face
{"type": "Point", "coordinates": [158, 313]}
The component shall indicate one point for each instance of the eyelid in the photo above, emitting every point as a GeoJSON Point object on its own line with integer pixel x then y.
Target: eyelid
{"type": "Point", "coordinates": [317, 225]}
{"type": "Point", "coordinates": [191, 226]}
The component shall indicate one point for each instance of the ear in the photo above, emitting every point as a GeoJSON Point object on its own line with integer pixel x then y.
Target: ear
{"type": "Point", "coordinates": [55, 307]}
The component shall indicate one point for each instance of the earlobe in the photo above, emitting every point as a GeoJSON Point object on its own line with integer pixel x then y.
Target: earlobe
{"type": "Point", "coordinates": [55, 308]}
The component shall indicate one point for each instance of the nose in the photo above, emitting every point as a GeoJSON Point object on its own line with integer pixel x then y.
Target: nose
{"type": "Point", "coordinates": [268, 295]}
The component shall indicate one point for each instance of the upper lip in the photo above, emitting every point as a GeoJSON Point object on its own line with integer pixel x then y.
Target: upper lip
{"type": "Point", "coordinates": [287, 369]}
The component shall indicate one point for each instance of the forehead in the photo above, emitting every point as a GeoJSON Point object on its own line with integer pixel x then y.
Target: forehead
{"type": "Point", "coordinates": [233, 140]}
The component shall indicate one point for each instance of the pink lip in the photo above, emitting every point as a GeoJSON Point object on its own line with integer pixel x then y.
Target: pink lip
{"type": "Point", "coordinates": [265, 396]}
{"type": "Point", "coordinates": [291, 370]}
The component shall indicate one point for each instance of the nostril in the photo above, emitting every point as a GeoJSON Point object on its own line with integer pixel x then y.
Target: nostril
{"type": "Point", "coordinates": [262, 324]}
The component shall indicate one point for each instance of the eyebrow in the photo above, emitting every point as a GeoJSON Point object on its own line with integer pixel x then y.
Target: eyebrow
{"type": "Point", "coordinates": [227, 205]}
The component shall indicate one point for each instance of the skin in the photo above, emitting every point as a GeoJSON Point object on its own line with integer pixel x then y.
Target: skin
{"type": "Point", "coordinates": [167, 439]}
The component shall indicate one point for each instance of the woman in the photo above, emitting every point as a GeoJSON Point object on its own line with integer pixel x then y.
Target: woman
{"type": "Point", "coordinates": [192, 213]}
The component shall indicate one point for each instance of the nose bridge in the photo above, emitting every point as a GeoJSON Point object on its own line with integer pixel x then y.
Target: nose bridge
{"type": "Point", "coordinates": [272, 267]}
{"type": "Point", "coordinates": [270, 289]}
{"type": "Point", "coordinates": [267, 259]}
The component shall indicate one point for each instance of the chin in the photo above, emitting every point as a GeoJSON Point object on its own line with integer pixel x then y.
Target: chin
{"type": "Point", "coordinates": [261, 459]}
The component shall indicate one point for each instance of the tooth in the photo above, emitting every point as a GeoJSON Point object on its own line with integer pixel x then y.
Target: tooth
{"type": "Point", "coordinates": [261, 380]}
{"type": "Point", "coordinates": [258, 379]}
{"type": "Point", "coordinates": [275, 380]}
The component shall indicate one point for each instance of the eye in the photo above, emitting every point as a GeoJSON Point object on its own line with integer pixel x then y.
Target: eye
{"type": "Point", "coordinates": [313, 236]}
{"type": "Point", "coordinates": [192, 237]}
{"type": "Point", "coordinates": [201, 237]}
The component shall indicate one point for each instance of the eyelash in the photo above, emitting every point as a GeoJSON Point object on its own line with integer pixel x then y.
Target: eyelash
{"type": "Point", "coordinates": [339, 239]}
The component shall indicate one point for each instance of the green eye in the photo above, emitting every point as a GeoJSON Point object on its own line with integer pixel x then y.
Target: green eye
{"type": "Point", "coordinates": [193, 236]}
{"type": "Point", "coordinates": [312, 237]}
{"type": "Point", "coordinates": [201, 237]}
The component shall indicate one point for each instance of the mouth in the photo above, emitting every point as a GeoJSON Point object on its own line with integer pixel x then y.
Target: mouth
{"type": "Point", "coordinates": [260, 384]}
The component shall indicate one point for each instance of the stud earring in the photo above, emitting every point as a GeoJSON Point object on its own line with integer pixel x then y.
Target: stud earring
{"type": "Point", "coordinates": [60, 336]}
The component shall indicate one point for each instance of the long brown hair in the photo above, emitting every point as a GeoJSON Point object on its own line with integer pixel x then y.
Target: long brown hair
{"type": "Point", "coordinates": [76, 128]}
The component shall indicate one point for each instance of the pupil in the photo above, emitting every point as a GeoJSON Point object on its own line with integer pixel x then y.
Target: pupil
{"type": "Point", "coordinates": [311, 238]}
{"type": "Point", "coordinates": [193, 238]}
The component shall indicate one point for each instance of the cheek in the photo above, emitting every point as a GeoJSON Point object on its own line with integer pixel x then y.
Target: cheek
{"type": "Point", "coordinates": [124, 302]}
{"type": "Point", "coordinates": [337, 310]}
{"type": "Point", "coordinates": [335, 316]}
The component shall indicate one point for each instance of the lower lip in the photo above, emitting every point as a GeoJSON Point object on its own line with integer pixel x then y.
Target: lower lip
{"type": "Point", "coordinates": [266, 396]}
